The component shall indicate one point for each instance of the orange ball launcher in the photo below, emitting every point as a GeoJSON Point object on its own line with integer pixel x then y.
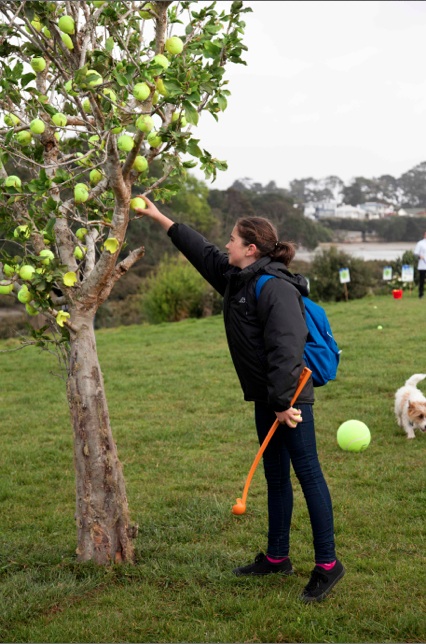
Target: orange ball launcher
{"type": "Point", "coordinates": [240, 506]}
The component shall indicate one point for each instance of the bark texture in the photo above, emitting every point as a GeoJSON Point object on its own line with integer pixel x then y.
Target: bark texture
{"type": "Point", "coordinates": [104, 533]}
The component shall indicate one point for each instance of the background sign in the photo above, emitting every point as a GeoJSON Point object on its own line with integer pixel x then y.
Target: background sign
{"type": "Point", "coordinates": [387, 272]}
{"type": "Point", "coordinates": [344, 275]}
{"type": "Point", "coordinates": [407, 273]}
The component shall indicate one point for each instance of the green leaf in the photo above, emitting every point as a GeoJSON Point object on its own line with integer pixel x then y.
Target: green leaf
{"type": "Point", "coordinates": [222, 102]}
{"type": "Point", "coordinates": [27, 78]}
{"type": "Point", "coordinates": [189, 164]}
{"type": "Point", "coordinates": [211, 50]}
{"type": "Point", "coordinates": [193, 148]}
{"type": "Point", "coordinates": [191, 113]}
{"type": "Point", "coordinates": [49, 205]}
{"type": "Point", "coordinates": [121, 79]}
{"type": "Point", "coordinates": [109, 44]}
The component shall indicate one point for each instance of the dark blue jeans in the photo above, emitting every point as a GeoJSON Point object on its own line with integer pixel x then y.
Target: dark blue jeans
{"type": "Point", "coordinates": [298, 447]}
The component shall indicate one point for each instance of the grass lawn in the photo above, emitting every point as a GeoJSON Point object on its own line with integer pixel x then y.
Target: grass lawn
{"type": "Point", "coordinates": [186, 440]}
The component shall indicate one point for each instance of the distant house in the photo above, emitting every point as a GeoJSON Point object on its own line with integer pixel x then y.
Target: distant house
{"type": "Point", "coordinates": [412, 212]}
{"type": "Point", "coordinates": [320, 209]}
{"type": "Point", "coordinates": [346, 211]}
{"type": "Point", "coordinates": [329, 209]}
{"type": "Point", "coordinates": [376, 210]}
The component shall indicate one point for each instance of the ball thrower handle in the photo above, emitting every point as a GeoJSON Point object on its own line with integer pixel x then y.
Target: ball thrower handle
{"type": "Point", "coordinates": [304, 377]}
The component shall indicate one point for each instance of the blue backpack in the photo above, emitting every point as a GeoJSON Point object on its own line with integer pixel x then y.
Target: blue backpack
{"type": "Point", "coordinates": [321, 352]}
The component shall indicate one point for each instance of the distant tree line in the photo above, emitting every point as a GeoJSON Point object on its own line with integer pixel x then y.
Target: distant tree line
{"type": "Point", "coordinates": [406, 191]}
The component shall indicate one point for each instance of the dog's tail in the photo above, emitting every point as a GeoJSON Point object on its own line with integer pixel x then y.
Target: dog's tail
{"type": "Point", "coordinates": [416, 378]}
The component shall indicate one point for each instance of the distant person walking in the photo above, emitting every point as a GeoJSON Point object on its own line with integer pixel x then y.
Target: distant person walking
{"type": "Point", "coordinates": [420, 252]}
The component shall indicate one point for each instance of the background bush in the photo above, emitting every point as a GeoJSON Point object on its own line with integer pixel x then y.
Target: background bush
{"type": "Point", "coordinates": [324, 276]}
{"type": "Point", "coordinates": [176, 291]}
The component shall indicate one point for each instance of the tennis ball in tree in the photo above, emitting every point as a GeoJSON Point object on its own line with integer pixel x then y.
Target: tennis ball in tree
{"type": "Point", "coordinates": [38, 64]}
{"type": "Point", "coordinates": [140, 164]}
{"type": "Point", "coordinates": [162, 60]}
{"type": "Point", "coordinates": [26, 272]}
{"type": "Point", "coordinates": [66, 39]}
{"type": "Point", "coordinates": [24, 137]}
{"type": "Point", "coordinates": [59, 119]}
{"type": "Point", "coordinates": [13, 181]}
{"type": "Point", "coordinates": [67, 25]}
{"type": "Point", "coordinates": [154, 139]}
{"type": "Point", "coordinates": [95, 176]}
{"type": "Point", "coordinates": [145, 14]}
{"type": "Point", "coordinates": [37, 126]}
{"type": "Point", "coordinates": [6, 287]}
{"type": "Point", "coordinates": [11, 120]}
{"type": "Point", "coordinates": [95, 78]}
{"type": "Point", "coordinates": [141, 91]}
{"type": "Point", "coordinates": [125, 143]}
{"type": "Point", "coordinates": [145, 123]}
{"type": "Point", "coordinates": [81, 193]}
{"type": "Point", "coordinates": [137, 203]}
{"type": "Point", "coordinates": [46, 256]}
{"type": "Point", "coordinates": [174, 45]}
{"type": "Point", "coordinates": [24, 295]}
{"type": "Point", "coordinates": [353, 436]}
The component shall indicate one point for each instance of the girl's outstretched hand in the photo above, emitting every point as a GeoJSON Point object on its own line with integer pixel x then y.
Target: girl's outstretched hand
{"type": "Point", "coordinates": [152, 211]}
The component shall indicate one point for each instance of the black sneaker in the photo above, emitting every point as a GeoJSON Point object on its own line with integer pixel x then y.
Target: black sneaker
{"type": "Point", "coordinates": [321, 582]}
{"type": "Point", "coordinates": [262, 566]}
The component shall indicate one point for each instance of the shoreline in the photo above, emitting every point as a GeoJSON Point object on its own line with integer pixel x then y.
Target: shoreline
{"type": "Point", "coordinates": [386, 251]}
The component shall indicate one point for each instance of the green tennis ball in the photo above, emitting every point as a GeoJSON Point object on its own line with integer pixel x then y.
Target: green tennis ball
{"type": "Point", "coordinates": [23, 137]}
{"type": "Point", "coordinates": [141, 91]}
{"type": "Point", "coordinates": [145, 123]}
{"type": "Point", "coordinates": [353, 436]}
{"type": "Point", "coordinates": [11, 120]}
{"type": "Point", "coordinates": [137, 203]}
{"type": "Point", "coordinates": [13, 181]}
{"type": "Point", "coordinates": [95, 78]}
{"type": "Point", "coordinates": [140, 164]}
{"type": "Point", "coordinates": [59, 119]}
{"type": "Point", "coordinates": [66, 39]}
{"type": "Point", "coordinates": [37, 126]}
{"type": "Point", "coordinates": [6, 287]}
{"type": "Point", "coordinates": [38, 64]}
{"type": "Point", "coordinates": [26, 272]}
{"type": "Point", "coordinates": [161, 60]}
{"type": "Point", "coordinates": [154, 139]}
{"type": "Point", "coordinates": [24, 294]}
{"type": "Point", "coordinates": [125, 143]}
{"type": "Point", "coordinates": [173, 45]}
{"type": "Point", "coordinates": [67, 25]}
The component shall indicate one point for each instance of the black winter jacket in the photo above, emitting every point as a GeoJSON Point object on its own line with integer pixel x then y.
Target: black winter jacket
{"type": "Point", "coordinates": [267, 337]}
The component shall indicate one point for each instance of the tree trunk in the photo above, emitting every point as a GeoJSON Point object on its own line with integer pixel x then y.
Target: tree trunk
{"type": "Point", "coordinates": [104, 534]}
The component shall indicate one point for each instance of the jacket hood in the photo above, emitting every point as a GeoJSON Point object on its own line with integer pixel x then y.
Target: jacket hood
{"type": "Point", "coordinates": [265, 265]}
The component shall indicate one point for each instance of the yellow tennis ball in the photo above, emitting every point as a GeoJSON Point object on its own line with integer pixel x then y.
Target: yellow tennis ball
{"type": "Point", "coordinates": [353, 436]}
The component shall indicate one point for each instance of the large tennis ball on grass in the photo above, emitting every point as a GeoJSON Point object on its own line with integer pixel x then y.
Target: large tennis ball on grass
{"type": "Point", "coordinates": [353, 436]}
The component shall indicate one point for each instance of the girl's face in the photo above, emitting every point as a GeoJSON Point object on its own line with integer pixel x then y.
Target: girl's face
{"type": "Point", "coordinates": [239, 254]}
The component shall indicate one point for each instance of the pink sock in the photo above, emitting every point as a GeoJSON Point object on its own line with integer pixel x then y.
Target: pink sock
{"type": "Point", "coordinates": [275, 561]}
{"type": "Point", "coordinates": [328, 566]}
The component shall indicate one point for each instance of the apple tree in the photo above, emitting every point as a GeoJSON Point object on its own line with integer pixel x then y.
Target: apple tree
{"type": "Point", "coordinates": [91, 94]}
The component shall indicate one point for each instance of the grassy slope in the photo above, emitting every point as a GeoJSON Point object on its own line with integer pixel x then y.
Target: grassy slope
{"type": "Point", "coordinates": [186, 440]}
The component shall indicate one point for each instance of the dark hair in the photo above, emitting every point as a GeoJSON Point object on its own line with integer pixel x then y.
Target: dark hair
{"type": "Point", "coordinates": [263, 234]}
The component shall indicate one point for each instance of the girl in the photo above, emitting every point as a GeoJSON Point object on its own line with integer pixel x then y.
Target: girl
{"type": "Point", "coordinates": [266, 338]}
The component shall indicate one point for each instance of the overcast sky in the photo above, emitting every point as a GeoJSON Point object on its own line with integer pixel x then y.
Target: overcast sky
{"type": "Point", "coordinates": [330, 88]}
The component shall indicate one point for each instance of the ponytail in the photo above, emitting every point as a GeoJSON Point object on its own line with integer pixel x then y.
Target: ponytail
{"type": "Point", "coordinates": [263, 234]}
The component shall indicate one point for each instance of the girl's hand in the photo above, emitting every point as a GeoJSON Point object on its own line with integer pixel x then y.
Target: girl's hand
{"type": "Point", "coordinates": [290, 417]}
{"type": "Point", "coordinates": [153, 212]}
{"type": "Point", "coordinates": [150, 210]}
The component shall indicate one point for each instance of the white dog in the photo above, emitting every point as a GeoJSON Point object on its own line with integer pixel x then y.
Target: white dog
{"type": "Point", "coordinates": [410, 406]}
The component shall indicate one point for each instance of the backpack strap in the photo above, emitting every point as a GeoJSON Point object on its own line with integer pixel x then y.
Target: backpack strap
{"type": "Point", "coordinates": [260, 282]}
